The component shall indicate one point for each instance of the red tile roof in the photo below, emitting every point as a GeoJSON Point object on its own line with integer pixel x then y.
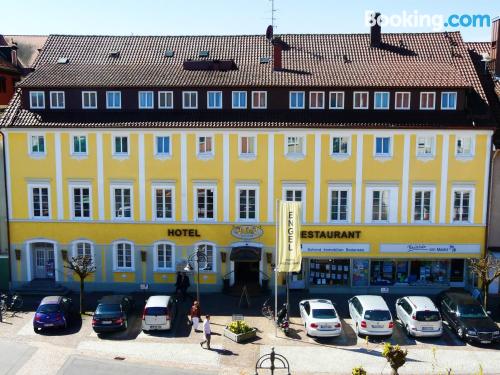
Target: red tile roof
{"type": "Point", "coordinates": [327, 60]}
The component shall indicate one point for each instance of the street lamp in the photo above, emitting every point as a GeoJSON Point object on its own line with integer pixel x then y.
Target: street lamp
{"type": "Point", "coordinates": [196, 258]}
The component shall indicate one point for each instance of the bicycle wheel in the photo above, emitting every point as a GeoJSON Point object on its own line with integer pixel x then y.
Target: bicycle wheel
{"type": "Point", "coordinates": [267, 312]}
{"type": "Point", "coordinates": [17, 302]}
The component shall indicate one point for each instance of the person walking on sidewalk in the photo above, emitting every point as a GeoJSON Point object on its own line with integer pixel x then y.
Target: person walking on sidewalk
{"type": "Point", "coordinates": [207, 331]}
{"type": "Point", "coordinates": [195, 315]}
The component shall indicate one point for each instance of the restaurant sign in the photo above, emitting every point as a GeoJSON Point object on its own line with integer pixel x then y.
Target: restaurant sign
{"type": "Point", "coordinates": [337, 248]}
{"type": "Point", "coordinates": [431, 248]}
{"type": "Point", "coordinates": [247, 232]}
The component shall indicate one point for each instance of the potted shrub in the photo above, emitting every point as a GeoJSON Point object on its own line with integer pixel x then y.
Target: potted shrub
{"type": "Point", "coordinates": [358, 371]}
{"type": "Point", "coordinates": [395, 356]}
{"type": "Point", "coordinates": [239, 331]}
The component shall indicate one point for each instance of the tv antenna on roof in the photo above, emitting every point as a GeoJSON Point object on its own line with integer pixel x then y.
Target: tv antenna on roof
{"type": "Point", "coordinates": [273, 19]}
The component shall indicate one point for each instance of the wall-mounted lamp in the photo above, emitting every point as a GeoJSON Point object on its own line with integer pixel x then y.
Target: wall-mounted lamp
{"type": "Point", "coordinates": [64, 254]}
{"type": "Point", "coordinates": [18, 254]}
{"type": "Point", "coordinates": [143, 255]}
{"type": "Point", "coordinates": [223, 257]}
{"type": "Point", "coordinates": [269, 258]}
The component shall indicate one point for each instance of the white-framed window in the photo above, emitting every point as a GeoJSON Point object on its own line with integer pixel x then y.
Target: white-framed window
{"type": "Point", "coordinates": [39, 201]}
{"type": "Point", "coordinates": [81, 202]}
{"type": "Point", "coordinates": [83, 249]}
{"type": "Point", "coordinates": [463, 204]}
{"type": "Point", "coordinates": [382, 100]}
{"type": "Point", "coordinates": [381, 205]}
{"type": "Point", "coordinates": [113, 99]}
{"type": "Point", "coordinates": [214, 99]}
{"type": "Point", "coordinates": [120, 145]}
{"type": "Point", "coordinates": [205, 202]}
{"type": "Point", "coordinates": [123, 256]}
{"type": "Point", "coordinates": [208, 249]}
{"type": "Point", "coordinates": [340, 146]}
{"type": "Point", "coordinates": [336, 100]}
{"type": "Point", "coordinates": [79, 144]}
{"type": "Point", "coordinates": [449, 100]}
{"type": "Point", "coordinates": [164, 256]}
{"type": "Point", "coordinates": [247, 203]}
{"type": "Point", "coordinates": [425, 146]}
{"type": "Point", "coordinates": [162, 146]}
{"type": "Point", "coordinates": [296, 193]}
{"type": "Point", "coordinates": [37, 145]}
{"type": "Point", "coordinates": [89, 99]}
{"type": "Point", "coordinates": [206, 147]}
{"type": "Point", "coordinates": [402, 100]}
{"type": "Point", "coordinates": [165, 99]}
{"type": "Point", "coordinates": [361, 99]}
{"type": "Point", "coordinates": [316, 100]}
{"type": "Point", "coordinates": [239, 99]}
{"type": "Point", "coordinates": [248, 146]}
{"type": "Point", "coordinates": [122, 206]}
{"type": "Point", "coordinates": [259, 99]}
{"type": "Point", "coordinates": [383, 146]}
{"type": "Point", "coordinates": [163, 202]}
{"type": "Point", "coordinates": [146, 100]}
{"type": "Point", "coordinates": [295, 146]}
{"type": "Point", "coordinates": [423, 204]}
{"type": "Point", "coordinates": [339, 203]}
{"type": "Point", "coordinates": [427, 100]}
{"type": "Point", "coordinates": [297, 100]}
{"type": "Point", "coordinates": [57, 100]}
{"type": "Point", "coordinates": [464, 146]}
{"type": "Point", "coordinates": [37, 99]}
{"type": "Point", "coordinates": [189, 99]}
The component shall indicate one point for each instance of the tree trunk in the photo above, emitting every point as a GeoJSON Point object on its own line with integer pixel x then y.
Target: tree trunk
{"type": "Point", "coordinates": [485, 295]}
{"type": "Point", "coordinates": [81, 296]}
{"type": "Point", "coordinates": [394, 371]}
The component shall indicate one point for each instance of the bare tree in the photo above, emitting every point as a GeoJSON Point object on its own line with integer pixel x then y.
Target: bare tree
{"type": "Point", "coordinates": [487, 269]}
{"type": "Point", "coordinates": [83, 266]}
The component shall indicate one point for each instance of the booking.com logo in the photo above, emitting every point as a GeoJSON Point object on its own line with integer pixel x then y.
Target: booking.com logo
{"type": "Point", "coordinates": [436, 21]}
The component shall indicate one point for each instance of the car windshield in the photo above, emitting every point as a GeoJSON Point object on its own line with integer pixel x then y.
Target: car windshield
{"type": "Point", "coordinates": [108, 308]}
{"type": "Point", "coordinates": [155, 311]}
{"type": "Point", "coordinates": [428, 316]}
{"type": "Point", "coordinates": [47, 309]}
{"type": "Point", "coordinates": [324, 314]}
{"type": "Point", "coordinates": [378, 315]}
{"type": "Point", "coordinates": [472, 312]}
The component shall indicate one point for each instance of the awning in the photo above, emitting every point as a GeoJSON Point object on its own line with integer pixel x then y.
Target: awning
{"type": "Point", "coordinates": [245, 254]}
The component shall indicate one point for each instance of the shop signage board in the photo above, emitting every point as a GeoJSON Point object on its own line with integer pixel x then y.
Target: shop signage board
{"type": "Point", "coordinates": [430, 248]}
{"type": "Point", "coordinates": [247, 232]}
{"type": "Point", "coordinates": [336, 248]}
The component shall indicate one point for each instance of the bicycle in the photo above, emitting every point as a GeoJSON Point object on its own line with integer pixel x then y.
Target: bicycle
{"type": "Point", "coordinates": [267, 310]}
{"type": "Point", "coordinates": [12, 303]}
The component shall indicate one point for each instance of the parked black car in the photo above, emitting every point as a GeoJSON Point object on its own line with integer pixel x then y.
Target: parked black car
{"type": "Point", "coordinates": [112, 313]}
{"type": "Point", "coordinates": [53, 312]}
{"type": "Point", "coordinates": [467, 318]}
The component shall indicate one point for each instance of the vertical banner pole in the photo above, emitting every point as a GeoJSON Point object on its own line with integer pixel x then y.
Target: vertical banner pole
{"type": "Point", "coordinates": [276, 274]}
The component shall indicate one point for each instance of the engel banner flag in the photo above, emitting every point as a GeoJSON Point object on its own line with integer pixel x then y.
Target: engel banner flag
{"type": "Point", "coordinates": [289, 246]}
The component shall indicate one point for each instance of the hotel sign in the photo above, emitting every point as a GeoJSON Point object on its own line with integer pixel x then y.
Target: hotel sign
{"type": "Point", "coordinates": [338, 248]}
{"type": "Point", "coordinates": [431, 248]}
{"type": "Point", "coordinates": [247, 232]}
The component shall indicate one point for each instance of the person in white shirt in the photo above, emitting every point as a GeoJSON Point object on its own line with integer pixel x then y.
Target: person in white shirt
{"type": "Point", "coordinates": [207, 331]}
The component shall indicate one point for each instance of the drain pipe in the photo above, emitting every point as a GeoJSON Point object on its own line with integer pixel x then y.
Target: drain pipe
{"type": "Point", "coordinates": [4, 176]}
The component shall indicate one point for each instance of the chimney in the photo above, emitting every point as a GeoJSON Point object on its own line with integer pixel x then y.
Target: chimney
{"type": "Point", "coordinates": [376, 32]}
{"type": "Point", "coordinates": [495, 50]}
{"type": "Point", "coordinates": [277, 50]}
{"type": "Point", "coordinates": [13, 54]}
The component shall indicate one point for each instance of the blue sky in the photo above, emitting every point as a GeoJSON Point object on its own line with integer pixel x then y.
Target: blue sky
{"type": "Point", "coordinates": [194, 17]}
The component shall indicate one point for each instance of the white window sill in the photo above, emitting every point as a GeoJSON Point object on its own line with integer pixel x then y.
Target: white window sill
{"type": "Point", "coordinates": [146, 108]}
{"type": "Point", "coordinates": [425, 157]}
{"type": "Point", "coordinates": [38, 155]}
{"type": "Point", "coordinates": [163, 220]}
{"type": "Point", "coordinates": [238, 107]}
{"type": "Point", "coordinates": [382, 157]}
{"type": "Point", "coordinates": [163, 270]}
{"type": "Point", "coordinates": [342, 222]}
{"type": "Point", "coordinates": [125, 219]}
{"type": "Point", "coordinates": [123, 270]}
{"type": "Point", "coordinates": [381, 109]}
{"type": "Point", "coordinates": [78, 156]}
{"type": "Point", "coordinates": [57, 108]}
{"type": "Point", "coordinates": [402, 109]}
{"type": "Point", "coordinates": [89, 108]}
{"type": "Point", "coordinates": [121, 156]}
{"type": "Point", "coordinates": [203, 220]}
{"type": "Point", "coordinates": [42, 218]}
{"type": "Point", "coordinates": [37, 108]}
{"type": "Point", "coordinates": [422, 222]}
{"type": "Point", "coordinates": [247, 221]}
{"type": "Point", "coordinates": [336, 108]}
{"type": "Point", "coordinates": [206, 156]}
{"type": "Point", "coordinates": [248, 157]}
{"type": "Point", "coordinates": [295, 156]}
{"type": "Point", "coordinates": [364, 108]}
{"type": "Point", "coordinates": [464, 157]}
{"type": "Point", "coordinates": [340, 157]}
{"type": "Point", "coordinates": [163, 156]}
{"type": "Point", "coordinates": [115, 108]}
{"type": "Point", "coordinates": [81, 218]}
{"type": "Point", "coordinates": [316, 108]}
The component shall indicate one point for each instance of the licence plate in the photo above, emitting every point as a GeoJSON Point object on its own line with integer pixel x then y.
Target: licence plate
{"type": "Point", "coordinates": [485, 342]}
{"type": "Point", "coordinates": [48, 325]}
{"type": "Point", "coordinates": [377, 326]}
{"type": "Point", "coordinates": [427, 329]}
{"type": "Point", "coordinates": [325, 326]}
{"type": "Point", "coordinates": [106, 322]}
{"type": "Point", "coordinates": [155, 327]}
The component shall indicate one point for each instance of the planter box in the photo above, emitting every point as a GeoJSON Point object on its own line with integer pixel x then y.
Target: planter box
{"type": "Point", "coordinates": [240, 337]}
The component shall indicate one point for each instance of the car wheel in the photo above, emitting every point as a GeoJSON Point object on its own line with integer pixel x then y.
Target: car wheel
{"type": "Point", "coordinates": [357, 330]}
{"type": "Point", "coordinates": [408, 332]}
{"type": "Point", "coordinates": [460, 333]}
{"type": "Point", "coordinates": [125, 326]}
{"type": "Point", "coordinates": [35, 329]}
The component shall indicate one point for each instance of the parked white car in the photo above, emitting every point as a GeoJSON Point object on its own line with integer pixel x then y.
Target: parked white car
{"type": "Point", "coordinates": [320, 318]}
{"type": "Point", "coordinates": [371, 316]}
{"type": "Point", "coordinates": [419, 316]}
{"type": "Point", "coordinates": [159, 313]}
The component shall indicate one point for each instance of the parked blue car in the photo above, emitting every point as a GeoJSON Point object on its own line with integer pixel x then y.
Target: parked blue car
{"type": "Point", "coordinates": [53, 312]}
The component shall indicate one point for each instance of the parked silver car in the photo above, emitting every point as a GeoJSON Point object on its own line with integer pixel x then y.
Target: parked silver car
{"type": "Point", "coordinates": [371, 316]}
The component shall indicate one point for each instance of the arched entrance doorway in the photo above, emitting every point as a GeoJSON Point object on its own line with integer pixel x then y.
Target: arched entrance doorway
{"type": "Point", "coordinates": [43, 264]}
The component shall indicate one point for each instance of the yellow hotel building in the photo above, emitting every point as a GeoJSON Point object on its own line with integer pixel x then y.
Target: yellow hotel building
{"type": "Point", "coordinates": [392, 170]}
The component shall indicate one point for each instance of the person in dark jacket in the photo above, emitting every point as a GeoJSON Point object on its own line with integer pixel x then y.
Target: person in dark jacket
{"type": "Point", "coordinates": [178, 284]}
{"type": "Point", "coordinates": [185, 284]}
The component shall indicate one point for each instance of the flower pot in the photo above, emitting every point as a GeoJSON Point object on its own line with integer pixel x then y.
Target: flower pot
{"type": "Point", "coordinates": [241, 336]}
